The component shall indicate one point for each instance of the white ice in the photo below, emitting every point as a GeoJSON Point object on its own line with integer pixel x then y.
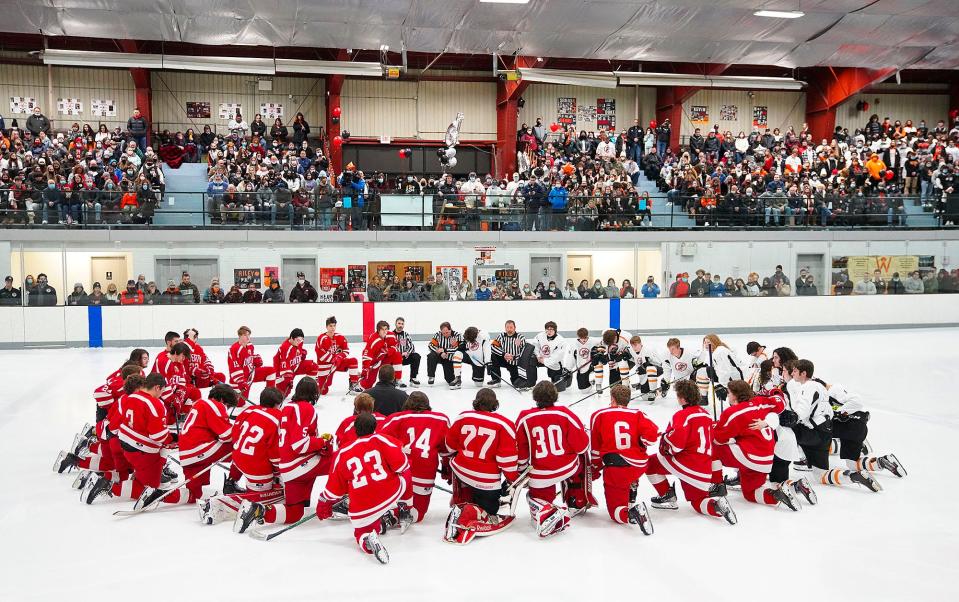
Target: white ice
{"type": "Point", "coordinates": [900, 544]}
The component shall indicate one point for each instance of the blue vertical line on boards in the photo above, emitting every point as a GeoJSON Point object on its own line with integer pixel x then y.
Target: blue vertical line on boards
{"type": "Point", "coordinates": [95, 325]}
{"type": "Point", "coordinates": [614, 313]}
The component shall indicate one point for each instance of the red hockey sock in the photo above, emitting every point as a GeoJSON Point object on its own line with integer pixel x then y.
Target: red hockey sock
{"type": "Point", "coordinates": [421, 504]}
{"type": "Point", "coordinates": [283, 514]}
{"type": "Point", "coordinates": [129, 489]}
{"type": "Point", "coordinates": [659, 483]}
{"type": "Point", "coordinates": [180, 496]}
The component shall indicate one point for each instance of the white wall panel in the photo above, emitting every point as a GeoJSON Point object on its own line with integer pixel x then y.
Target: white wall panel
{"type": "Point", "coordinates": [68, 82]}
{"type": "Point", "coordinates": [930, 106]}
{"type": "Point", "coordinates": [784, 109]}
{"type": "Point", "coordinates": [438, 103]}
{"type": "Point", "coordinates": [173, 89]}
{"type": "Point", "coordinates": [375, 108]}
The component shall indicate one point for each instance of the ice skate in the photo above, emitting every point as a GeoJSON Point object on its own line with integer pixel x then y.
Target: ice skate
{"type": "Point", "coordinates": [667, 501]}
{"type": "Point", "coordinates": [213, 511]}
{"type": "Point", "coordinates": [149, 499]}
{"type": "Point", "coordinates": [639, 515]}
{"type": "Point", "coordinates": [249, 513]}
{"type": "Point", "coordinates": [371, 545]}
{"type": "Point", "coordinates": [82, 478]}
{"type": "Point", "coordinates": [785, 496]}
{"type": "Point", "coordinates": [717, 490]}
{"type": "Point", "coordinates": [863, 478]}
{"type": "Point", "coordinates": [890, 463]}
{"type": "Point", "coordinates": [66, 461]}
{"type": "Point", "coordinates": [456, 384]}
{"type": "Point", "coordinates": [723, 507]}
{"type": "Point", "coordinates": [803, 488]}
{"type": "Point", "coordinates": [96, 489]}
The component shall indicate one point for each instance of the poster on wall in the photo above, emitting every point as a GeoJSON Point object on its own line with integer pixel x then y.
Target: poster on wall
{"type": "Point", "coordinates": [606, 113]}
{"type": "Point", "coordinates": [699, 114]}
{"type": "Point", "coordinates": [69, 106]}
{"type": "Point", "coordinates": [100, 107]}
{"type": "Point", "coordinates": [484, 255]}
{"type": "Point", "coordinates": [566, 111]}
{"type": "Point", "coordinates": [415, 270]}
{"type": "Point", "coordinates": [729, 113]}
{"type": "Point", "coordinates": [332, 277]}
{"type": "Point", "coordinates": [356, 277]}
{"type": "Point", "coordinates": [271, 273]}
{"type": "Point", "coordinates": [22, 104]}
{"type": "Point", "coordinates": [271, 110]}
{"type": "Point", "coordinates": [855, 267]}
{"type": "Point", "coordinates": [760, 116]}
{"type": "Point", "coordinates": [453, 275]}
{"type": "Point", "coordinates": [197, 109]}
{"type": "Point", "coordinates": [586, 113]}
{"type": "Point", "coordinates": [244, 277]}
{"type": "Point", "coordinates": [229, 109]}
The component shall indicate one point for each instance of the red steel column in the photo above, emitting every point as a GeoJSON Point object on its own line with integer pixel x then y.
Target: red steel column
{"type": "Point", "coordinates": [829, 87]}
{"type": "Point", "coordinates": [507, 108]}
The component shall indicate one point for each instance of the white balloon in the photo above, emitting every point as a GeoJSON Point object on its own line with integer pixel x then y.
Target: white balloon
{"type": "Point", "coordinates": [452, 162]}
{"type": "Point", "coordinates": [450, 153]}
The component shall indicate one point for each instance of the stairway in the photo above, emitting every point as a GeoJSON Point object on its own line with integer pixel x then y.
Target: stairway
{"type": "Point", "coordinates": [916, 217]}
{"type": "Point", "coordinates": [185, 188]}
{"type": "Point", "coordinates": [664, 216]}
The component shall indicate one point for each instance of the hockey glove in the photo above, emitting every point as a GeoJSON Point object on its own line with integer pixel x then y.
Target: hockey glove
{"type": "Point", "coordinates": [664, 448]}
{"type": "Point", "coordinates": [257, 361]}
{"type": "Point", "coordinates": [324, 510]}
{"type": "Point", "coordinates": [663, 387]}
{"type": "Point", "coordinates": [698, 363]}
{"type": "Point", "coordinates": [788, 418]}
{"type": "Point", "coordinates": [721, 392]}
{"type": "Point", "coordinates": [446, 473]}
{"type": "Point", "coordinates": [711, 373]}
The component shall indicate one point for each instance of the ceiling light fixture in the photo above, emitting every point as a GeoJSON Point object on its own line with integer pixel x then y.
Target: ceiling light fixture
{"type": "Point", "coordinates": [504, 1]}
{"type": "Point", "coordinates": [780, 14]}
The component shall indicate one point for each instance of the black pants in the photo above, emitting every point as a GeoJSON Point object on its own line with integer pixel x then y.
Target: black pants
{"type": "Point", "coordinates": [522, 373]}
{"type": "Point", "coordinates": [488, 500]}
{"type": "Point", "coordinates": [479, 370]}
{"type": "Point", "coordinates": [433, 359]}
{"type": "Point", "coordinates": [780, 470]}
{"type": "Point", "coordinates": [497, 367]}
{"type": "Point", "coordinates": [413, 361]}
{"type": "Point", "coordinates": [815, 444]}
{"type": "Point", "coordinates": [851, 434]}
{"type": "Point", "coordinates": [556, 376]}
{"type": "Point", "coordinates": [582, 379]}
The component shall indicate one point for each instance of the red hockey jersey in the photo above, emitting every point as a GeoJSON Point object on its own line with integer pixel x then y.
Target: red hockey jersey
{"type": "Point", "coordinates": [200, 365]}
{"type": "Point", "coordinates": [423, 435]}
{"type": "Point", "coordinates": [345, 433]}
{"type": "Point", "coordinates": [207, 433]}
{"type": "Point", "coordinates": [160, 362]}
{"type": "Point", "coordinates": [686, 446]}
{"type": "Point", "coordinates": [624, 431]}
{"type": "Point", "coordinates": [485, 446]}
{"type": "Point", "coordinates": [109, 391]}
{"type": "Point", "coordinates": [329, 346]}
{"type": "Point", "coordinates": [175, 392]}
{"type": "Point", "coordinates": [243, 362]}
{"type": "Point", "coordinates": [377, 348]}
{"type": "Point", "coordinates": [144, 424]}
{"type": "Point", "coordinates": [373, 471]}
{"type": "Point", "coordinates": [550, 441]}
{"type": "Point", "coordinates": [301, 447]}
{"type": "Point", "coordinates": [256, 450]}
{"type": "Point", "coordinates": [287, 360]}
{"type": "Point", "coordinates": [753, 448]}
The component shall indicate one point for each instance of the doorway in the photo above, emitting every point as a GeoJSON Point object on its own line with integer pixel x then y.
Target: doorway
{"type": "Point", "coordinates": [106, 270]}
{"type": "Point", "coordinates": [815, 264]}
{"type": "Point", "coordinates": [201, 270]}
{"type": "Point", "coordinates": [544, 269]}
{"type": "Point", "coordinates": [289, 266]}
{"type": "Point", "coordinates": [579, 268]}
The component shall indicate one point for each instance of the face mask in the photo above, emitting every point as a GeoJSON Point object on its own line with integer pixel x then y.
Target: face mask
{"type": "Point", "coordinates": [51, 186]}
{"type": "Point", "coordinates": [301, 280]}
{"type": "Point", "coordinates": [29, 281]}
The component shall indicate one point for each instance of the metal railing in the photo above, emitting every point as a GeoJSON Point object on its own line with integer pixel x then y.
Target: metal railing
{"type": "Point", "coordinates": [272, 209]}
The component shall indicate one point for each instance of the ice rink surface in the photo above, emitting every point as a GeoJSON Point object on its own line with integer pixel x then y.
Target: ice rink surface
{"type": "Point", "coordinates": [899, 544]}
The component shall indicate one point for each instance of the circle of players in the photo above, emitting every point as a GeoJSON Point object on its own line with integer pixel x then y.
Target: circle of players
{"type": "Point", "coordinates": [768, 415]}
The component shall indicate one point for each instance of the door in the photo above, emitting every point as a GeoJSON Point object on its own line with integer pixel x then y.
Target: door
{"type": "Point", "coordinates": [815, 264]}
{"type": "Point", "coordinates": [201, 270]}
{"type": "Point", "coordinates": [578, 268]}
{"type": "Point", "coordinates": [289, 266]}
{"type": "Point", "coordinates": [108, 269]}
{"type": "Point", "coordinates": [544, 269]}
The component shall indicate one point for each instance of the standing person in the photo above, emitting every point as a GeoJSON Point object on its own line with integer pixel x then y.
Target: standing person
{"type": "Point", "coordinates": [619, 438]}
{"type": "Point", "coordinates": [301, 129]}
{"type": "Point", "coordinates": [38, 122]}
{"type": "Point", "coordinates": [139, 129]}
{"type": "Point", "coordinates": [381, 349]}
{"type": "Point", "coordinates": [477, 352]}
{"type": "Point", "coordinates": [274, 294]}
{"type": "Point", "coordinates": [550, 350]}
{"type": "Point", "coordinates": [510, 351]}
{"type": "Point", "coordinates": [332, 356]}
{"type": "Point", "coordinates": [43, 295]}
{"type": "Point", "coordinates": [549, 441]}
{"type": "Point", "coordinates": [290, 361]}
{"type": "Point", "coordinates": [200, 370]}
{"type": "Point", "coordinates": [303, 291]}
{"type": "Point", "coordinates": [142, 433]}
{"type": "Point", "coordinates": [423, 435]}
{"type": "Point", "coordinates": [650, 290]}
{"type": "Point", "coordinates": [246, 366]}
{"type": "Point", "coordinates": [444, 350]}
{"type": "Point", "coordinates": [739, 445]}
{"type": "Point", "coordinates": [685, 451]}
{"type": "Point", "coordinates": [375, 473]}
{"type": "Point", "coordinates": [408, 351]}
{"type": "Point", "coordinates": [9, 294]}
{"type": "Point", "coordinates": [304, 455]}
{"type": "Point", "coordinates": [387, 398]}
{"type": "Point", "coordinates": [483, 442]}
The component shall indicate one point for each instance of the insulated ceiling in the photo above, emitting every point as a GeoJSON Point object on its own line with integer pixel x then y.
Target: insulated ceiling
{"type": "Point", "coordinates": [917, 34]}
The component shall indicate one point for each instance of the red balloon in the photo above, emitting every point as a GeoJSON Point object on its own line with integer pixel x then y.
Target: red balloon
{"type": "Point", "coordinates": [336, 111]}
{"type": "Point", "coordinates": [889, 174]}
{"type": "Point", "coordinates": [337, 141]}
{"type": "Point", "coordinates": [554, 127]}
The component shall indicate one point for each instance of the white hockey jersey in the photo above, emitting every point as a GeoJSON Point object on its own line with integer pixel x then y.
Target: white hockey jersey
{"type": "Point", "coordinates": [843, 401]}
{"type": "Point", "coordinates": [677, 368]}
{"type": "Point", "coordinates": [550, 352]}
{"type": "Point", "coordinates": [579, 354]}
{"type": "Point", "coordinates": [645, 355]}
{"type": "Point", "coordinates": [750, 367]}
{"type": "Point", "coordinates": [725, 363]}
{"type": "Point", "coordinates": [620, 347]}
{"type": "Point", "coordinates": [479, 351]}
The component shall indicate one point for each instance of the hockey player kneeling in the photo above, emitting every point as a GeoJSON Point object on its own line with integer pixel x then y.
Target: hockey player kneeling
{"type": "Point", "coordinates": [484, 444]}
{"type": "Point", "coordinates": [550, 440]}
{"type": "Point", "coordinates": [374, 472]}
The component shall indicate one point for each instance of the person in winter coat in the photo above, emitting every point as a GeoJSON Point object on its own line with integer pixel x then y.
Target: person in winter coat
{"type": "Point", "coordinates": [584, 290]}
{"type": "Point", "coordinates": [896, 286]}
{"type": "Point", "coordinates": [612, 291]}
{"type": "Point", "coordinates": [597, 292]}
{"type": "Point", "coordinates": [303, 291]}
{"type": "Point", "coordinates": [138, 127]}
{"type": "Point", "coordinates": [78, 296]}
{"type": "Point", "coordinates": [699, 287]}
{"type": "Point", "coordinates": [252, 294]}
{"type": "Point", "coordinates": [234, 296]}
{"type": "Point", "coordinates": [650, 290]}
{"type": "Point", "coordinates": [274, 294]}
{"type": "Point", "coordinates": [716, 287]}
{"type": "Point", "coordinates": [131, 295]}
{"type": "Point", "coordinates": [214, 294]}
{"type": "Point", "coordinates": [680, 288]}
{"type": "Point", "coordinates": [570, 291]}
{"type": "Point", "coordinates": [627, 291]}
{"type": "Point", "coordinates": [465, 292]}
{"type": "Point", "coordinates": [42, 295]}
{"type": "Point", "coordinates": [37, 123]}
{"type": "Point", "coordinates": [752, 288]}
{"type": "Point", "coordinates": [170, 296]}
{"type": "Point", "coordinates": [151, 296]}
{"type": "Point", "coordinates": [440, 292]}
{"type": "Point", "coordinates": [188, 290]}
{"type": "Point", "coordinates": [483, 292]}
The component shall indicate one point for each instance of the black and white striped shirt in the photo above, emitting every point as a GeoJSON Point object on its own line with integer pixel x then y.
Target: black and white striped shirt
{"type": "Point", "coordinates": [405, 343]}
{"type": "Point", "coordinates": [512, 344]}
{"type": "Point", "coordinates": [449, 344]}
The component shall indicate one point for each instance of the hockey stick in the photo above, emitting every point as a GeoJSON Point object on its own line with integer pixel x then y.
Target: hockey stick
{"type": "Point", "coordinates": [441, 488]}
{"type": "Point", "coordinates": [264, 536]}
{"type": "Point", "coordinates": [125, 513]}
{"type": "Point", "coordinates": [628, 374]}
{"type": "Point", "coordinates": [712, 388]}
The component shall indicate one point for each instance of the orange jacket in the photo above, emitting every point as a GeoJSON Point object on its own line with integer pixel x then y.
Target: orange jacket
{"type": "Point", "coordinates": [875, 167]}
